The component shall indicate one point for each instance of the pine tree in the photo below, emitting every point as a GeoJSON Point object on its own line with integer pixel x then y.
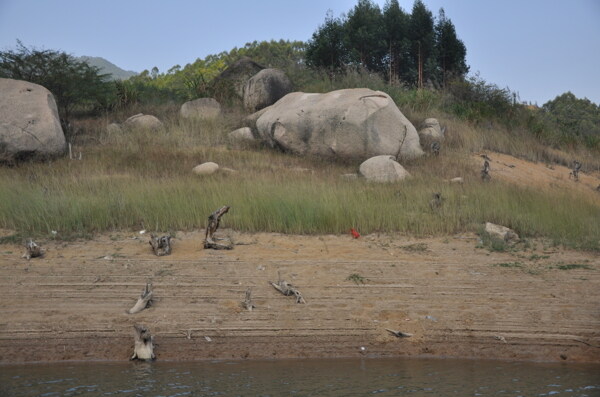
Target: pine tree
{"type": "Point", "coordinates": [422, 36]}
{"type": "Point", "coordinates": [396, 36]}
{"type": "Point", "coordinates": [327, 49]}
{"type": "Point", "coordinates": [450, 50]}
{"type": "Point", "coordinates": [365, 35]}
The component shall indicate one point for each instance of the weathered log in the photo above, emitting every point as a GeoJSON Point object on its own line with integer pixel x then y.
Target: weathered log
{"type": "Point", "coordinates": [144, 301]}
{"type": "Point", "coordinates": [160, 245]}
{"type": "Point", "coordinates": [143, 348]}
{"type": "Point", "coordinates": [287, 289]}
{"type": "Point", "coordinates": [213, 224]}
{"type": "Point", "coordinates": [398, 334]}
{"type": "Point", "coordinates": [248, 305]}
{"type": "Point", "coordinates": [32, 250]}
{"type": "Point", "coordinates": [485, 171]}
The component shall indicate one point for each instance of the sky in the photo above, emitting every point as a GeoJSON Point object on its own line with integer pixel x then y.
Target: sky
{"type": "Point", "coordinates": [537, 48]}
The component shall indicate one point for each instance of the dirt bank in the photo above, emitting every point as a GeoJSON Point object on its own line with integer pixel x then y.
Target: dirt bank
{"type": "Point", "coordinates": [457, 300]}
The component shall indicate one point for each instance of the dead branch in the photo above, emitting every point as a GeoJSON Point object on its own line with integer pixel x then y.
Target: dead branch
{"type": "Point", "coordinates": [398, 334]}
{"type": "Point", "coordinates": [248, 305]}
{"type": "Point", "coordinates": [32, 250]}
{"type": "Point", "coordinates": [144, 301]}
{"type": "Point", "coordinates": [287, 289]}
{"type": "Point", "coordinates": [143, 344]}
{"type": "Point", "coordinates": [160, 245]}
{"type": "Point", "coordinates": [213, 224]}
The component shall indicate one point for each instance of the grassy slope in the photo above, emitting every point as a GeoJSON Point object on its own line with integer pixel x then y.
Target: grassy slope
{"type": "Point", "coordinates": [143, 180]}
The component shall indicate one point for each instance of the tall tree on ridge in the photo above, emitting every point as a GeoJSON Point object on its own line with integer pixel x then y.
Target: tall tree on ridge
{"type": "Point", "coordinates": [396, 36]}
{"type": "Point", "coordinates": [422, 36]}
{"type": "Point", "coordinates": [365, 35]}
{"type": "Point", "coordinates": [450, 50]}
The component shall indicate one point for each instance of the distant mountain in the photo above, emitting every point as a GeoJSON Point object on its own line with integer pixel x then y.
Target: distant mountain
{"type": "Point", "coordinates": [108, 67]}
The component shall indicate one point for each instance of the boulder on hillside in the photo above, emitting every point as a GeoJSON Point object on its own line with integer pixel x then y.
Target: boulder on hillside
{"type": "Point", "coordinates": [501, 233]}
{"type": "Point", "coordinates": [114, 128]}
{"type": "Point", "coordinates": [201, 108]}
{"type": "Point", "coordinates": [346, 124]}
{"type": "Point", "coordinates": [29, 123]}
{"type": "Point", "coordinates": [242, 137]}
{"type": "Point", "coordinates": [234, 78]}
{"type": "Point", "coordinates": [383, 168]}
{"type": "Point", "coordinates": [143, 121]}
{"type": "Point", "coordinates": [207, 168]}
{"type": "Point", "coordinates": [431, 130]}
{"type": "Point", "coordinates": [265, 88]}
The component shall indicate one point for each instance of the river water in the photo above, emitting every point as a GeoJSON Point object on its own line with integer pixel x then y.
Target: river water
{"type": "Point", "coordinates": [332, 377]}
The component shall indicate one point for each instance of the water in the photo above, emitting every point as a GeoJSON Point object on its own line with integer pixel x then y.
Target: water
{"type": "Point", "coordinates": [348, 377]}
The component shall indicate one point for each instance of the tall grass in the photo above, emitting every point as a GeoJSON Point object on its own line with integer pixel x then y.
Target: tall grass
{"type": "Point", "coordinates": [143, 179]}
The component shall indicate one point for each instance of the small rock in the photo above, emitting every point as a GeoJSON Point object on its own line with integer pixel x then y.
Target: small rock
{"type": "Point", "coordinates": [349, 177]}
{"type": "Point", "coordinates": [206, 168]}
{"type": "Point", "coordinates": [501, 233]}
{"type": "Point", "coordinates": [383, 169]}
{"type": "Point", "coordinates": [458, 179]}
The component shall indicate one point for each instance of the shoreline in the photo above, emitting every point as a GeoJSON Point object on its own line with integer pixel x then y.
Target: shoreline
{"type": "Point", "coordinates": [458, 301]}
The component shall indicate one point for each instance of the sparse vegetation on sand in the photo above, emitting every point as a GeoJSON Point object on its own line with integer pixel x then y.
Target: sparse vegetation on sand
{"type": "Point", "coordinates": [142, 179]}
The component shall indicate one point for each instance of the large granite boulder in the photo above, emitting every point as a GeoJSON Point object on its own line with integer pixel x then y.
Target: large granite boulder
{"type": "Point", "coordinates": [382, 168]}
{"type": "Point", "coordinates": [431, 130]}
{"type": "Point", "coordinates": [29, 124]}
{"type": "Point", "coordinates": [347, 124]}
{"type": "Point", "coordinates": [143, 121]}
{"type": "Point", "coordinates": [201, 108]}
{"type": "Point", "coordinates": [234, 78]}
{"type": "Point", "coordinates": [265, 88]}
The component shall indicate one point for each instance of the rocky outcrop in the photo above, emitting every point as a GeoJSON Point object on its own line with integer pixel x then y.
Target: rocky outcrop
{"type": "Point", "coordinates": [143, 121]}
{"type": "Point", "coordinates": [265, 88]}
{"type": "Point", "coordinates": [502, 233]}
{"type": "Point", "coordinates": [346, 124]}
{"type": "Point", "coordinates": [431, 130]}
{"type": "Point", "coordinates": [382, 168]}
{"type": "Point", "coordinates": [201, 108]}
{"type": "Point", "coordinates": [29, 124]}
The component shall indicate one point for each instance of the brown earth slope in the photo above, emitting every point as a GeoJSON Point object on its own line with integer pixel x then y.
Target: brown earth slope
{"type": "Point", "coordinates": [456, 299]}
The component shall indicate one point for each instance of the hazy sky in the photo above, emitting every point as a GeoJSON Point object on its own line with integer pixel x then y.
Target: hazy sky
{"type": "Point", "coordinates": [539, 48]}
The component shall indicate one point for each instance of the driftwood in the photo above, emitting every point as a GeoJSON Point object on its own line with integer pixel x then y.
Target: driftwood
{"type": "Point", "coordinates": [248, 305]}
{"type": "Point", "coordinates": [213, 224]}
{"type": "Point", "coordinates": [436, 202]}
{"type": "Point", "coordinates": [398, 334]}
{"type": "Point", "coordinates": [144, 301]}
{"type": "Point", "coordinates": [160, 245]}
{"type": "Point", "coordinates": [32, 250]}
{"type": "Point", "coordinates": [287, 289]}
{"type": "Point", "coordinates": [485, 171]}
{"type": "Point", "coordinates": [575, 172]}
{"type": "Point", "coordinates": [143, 348]}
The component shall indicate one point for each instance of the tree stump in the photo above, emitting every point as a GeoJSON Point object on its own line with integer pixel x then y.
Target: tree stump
{"type": "Point", "coordinates": [213, 224]}
{"type": "Point", "coordinates": [160, 245]}
{"type": "Point", "coordinates": [287, 289]}
{"type": "Point", "coordinates": [143, 347]}
{"type": "Point", "coordinates": [144, 301]}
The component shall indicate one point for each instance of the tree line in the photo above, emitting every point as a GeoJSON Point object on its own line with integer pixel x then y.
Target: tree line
{"type": "Point", "coordinates": [413, 48]}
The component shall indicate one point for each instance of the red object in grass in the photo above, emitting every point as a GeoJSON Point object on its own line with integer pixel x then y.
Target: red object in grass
{"type": "Point", "coordinates": [354, 233]}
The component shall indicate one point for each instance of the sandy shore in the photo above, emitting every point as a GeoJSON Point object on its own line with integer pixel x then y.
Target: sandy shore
{"type": "Point", "coordinates": [457, 300]}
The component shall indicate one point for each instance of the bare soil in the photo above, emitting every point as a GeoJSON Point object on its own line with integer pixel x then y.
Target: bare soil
{"type": "Point", "coordinates": [457, 300]}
